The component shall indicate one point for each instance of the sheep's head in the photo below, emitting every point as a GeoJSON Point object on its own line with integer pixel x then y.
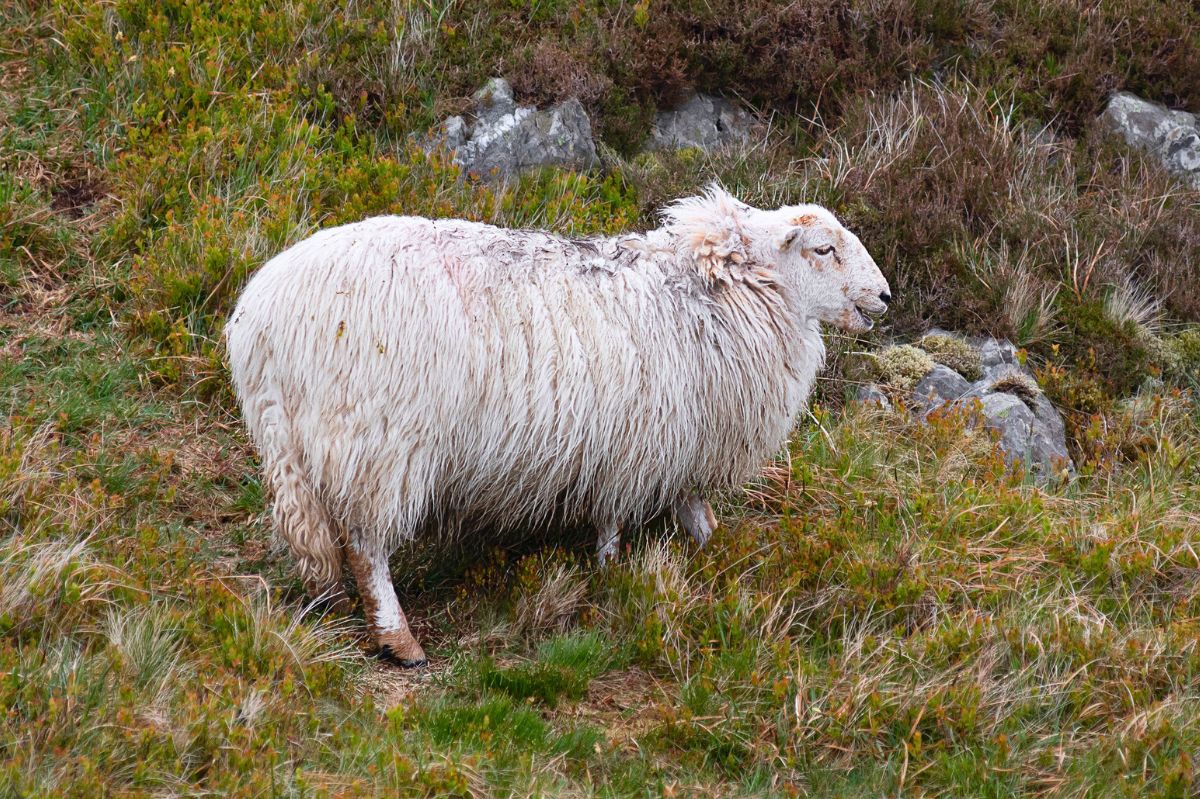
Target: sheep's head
{"type": "Point", "coordinates": [827, 267]}
{"type": "Point", "coordinates": [800, 247]}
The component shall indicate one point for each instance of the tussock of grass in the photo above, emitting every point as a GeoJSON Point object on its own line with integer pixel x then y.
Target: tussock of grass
{"type": "Point", "coordinates": [1128, 304]}
{"type": "Point", "coordinates": [146, 647]}
{"type": "Point", "coordinates": [40, 581]}
{"type": "Point", "coordinates": [1019, 383]}
{"type": "Point", "coordinates": [555, 605]}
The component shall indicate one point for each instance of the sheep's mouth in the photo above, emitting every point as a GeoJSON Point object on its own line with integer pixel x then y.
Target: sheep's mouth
{"type": "Point", "coordinates": [865, 317]}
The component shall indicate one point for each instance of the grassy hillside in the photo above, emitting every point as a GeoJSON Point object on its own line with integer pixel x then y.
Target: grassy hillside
{"type": "Point", "coordinates": [888, 610]}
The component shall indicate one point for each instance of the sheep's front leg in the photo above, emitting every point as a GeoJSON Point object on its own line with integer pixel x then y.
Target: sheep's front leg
{"type": "Point", "coordinates": [385, 619]}
{"type": "Point", "coordinates": [697, 517]}
{"type": "Point", "coordinates": [607, 541]}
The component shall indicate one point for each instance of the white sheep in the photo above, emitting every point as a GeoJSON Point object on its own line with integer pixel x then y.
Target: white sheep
{"type": "Point", "coordinates": [401, 373]}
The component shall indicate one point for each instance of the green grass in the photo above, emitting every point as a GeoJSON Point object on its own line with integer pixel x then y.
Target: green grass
{"type": "Point", "coordinates": [887, 610]}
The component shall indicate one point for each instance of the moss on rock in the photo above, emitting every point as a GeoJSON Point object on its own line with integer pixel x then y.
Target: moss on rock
{"type": "Point", "coordinates": [901, 366]}
{"type": "Point", "coordinates": [955, 353]}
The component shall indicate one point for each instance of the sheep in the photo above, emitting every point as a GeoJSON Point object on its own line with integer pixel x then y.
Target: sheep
{"type": "Point", "coordinates": [400, 374]}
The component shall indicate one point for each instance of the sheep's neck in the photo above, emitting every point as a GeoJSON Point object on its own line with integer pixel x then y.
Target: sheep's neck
{"type": "Point", "coordinates": [766, 358]}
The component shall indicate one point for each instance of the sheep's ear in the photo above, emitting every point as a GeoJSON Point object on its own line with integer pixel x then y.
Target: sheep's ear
{"type": "Point", "coordinates": [789, 237]}
{"type": "Point", "coordinates": [798, 231]}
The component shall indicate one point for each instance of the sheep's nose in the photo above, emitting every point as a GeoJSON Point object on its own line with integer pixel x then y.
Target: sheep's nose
{"type": "Point", "coordinates": [885, 296]}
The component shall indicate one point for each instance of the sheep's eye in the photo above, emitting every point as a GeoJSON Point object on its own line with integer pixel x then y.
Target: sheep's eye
{"type": "Point", "coordinates": [824, 250]}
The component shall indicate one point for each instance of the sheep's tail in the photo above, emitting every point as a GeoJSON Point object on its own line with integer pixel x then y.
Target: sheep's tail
{"type": "Point", "coordinates": [301, 518]}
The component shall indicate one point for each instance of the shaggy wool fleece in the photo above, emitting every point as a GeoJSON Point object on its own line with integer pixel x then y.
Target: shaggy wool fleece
{"type": "Point", "coordinates": [400, 370]}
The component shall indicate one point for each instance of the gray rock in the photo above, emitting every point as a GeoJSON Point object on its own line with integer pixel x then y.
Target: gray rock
{"type": "Point", "coordinates": [870, 393]}
{"type": "Point", "coordinates": [1049, 437]}
{"type": "Point", "coordinates": [1031, 431]}
{"type": "Point", "coordinates": [995, 352]}
{"type": "Point", "coordinates": [1173, 136]}
{"type": "Point", "coordinates": [1011, 417]}
{"type": "Point", "coordinates": [703, 121]}
{"type": "Point", "coordinates": [940, 386]}
{"type": "Point", "coordinates": [503, 138]}
{"type": "Point", "coordinates": [494, 100]}
{"type": "Point", "coordinates": [450, 135]}
{"type": "Point", "coordinates": [997, 356]}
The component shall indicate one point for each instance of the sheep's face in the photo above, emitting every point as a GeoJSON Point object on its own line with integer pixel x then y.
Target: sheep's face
{"type": "Point", "coordinates": [828, 268]}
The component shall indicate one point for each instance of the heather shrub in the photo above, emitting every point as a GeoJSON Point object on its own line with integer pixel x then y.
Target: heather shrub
{"type": "Point", "coordinates": [932, 167]}
{"type": "Point", "coordinates": [1056, 58]}
{"type": "Point", "coordinates": [548, 73]}
{"type": "Point", "coordinates": [1151, 242]}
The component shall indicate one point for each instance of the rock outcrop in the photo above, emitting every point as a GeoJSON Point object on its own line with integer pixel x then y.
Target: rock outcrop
{"type": "Point", "coordinates": [1173, 136]}
{"type": "Point", "coordinates": [1005, 395]}
{"type": "Point", "coordinates": [704, 122]}
{"type": "Point", "coordinates": [500, 138]}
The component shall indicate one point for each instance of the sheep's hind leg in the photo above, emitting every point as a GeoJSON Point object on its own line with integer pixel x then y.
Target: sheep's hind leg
{"type": "Point", "coordinates": [697, 517]}
{"type": "Point", "coordinates": [385, 618]}
{"type": "Point", "coordinates": [329, 593]}
{"type": "Point", "coordinates": [314, 539]}
{"type": "Point", "coordinates": [607, 542]}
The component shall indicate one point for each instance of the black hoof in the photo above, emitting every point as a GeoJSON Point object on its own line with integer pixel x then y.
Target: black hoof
{"type": "Point", "coordinates": [386, 654]}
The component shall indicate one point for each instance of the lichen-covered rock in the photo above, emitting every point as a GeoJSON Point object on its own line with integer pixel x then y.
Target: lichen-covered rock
{"type": "Point", "coordinates": [942, 385]}
{"type": "Point", "coordinates": [704, 122]}
{"type": "Point", "coordinates": [1036, 436]}
{"type": "Point", "coordinates": [1012, 418]}
{"type": "Point", "coordinates": [996, 356]}
{"type": "Point", "coordinates": [1173, 136]}
{"type": "Point", "coordinates": [1031, 432]}
{"type": "Point", "coordinates": [502, 138]}
{"type": "Point", "coordinates": [1048, 439]}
